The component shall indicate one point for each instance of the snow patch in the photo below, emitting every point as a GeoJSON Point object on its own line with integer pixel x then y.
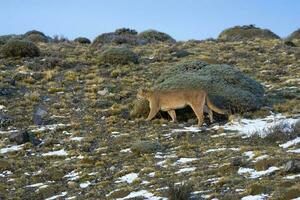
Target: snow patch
{"type": "Point", "coordinates": [187, 169]}
{"type": "Point", "coordinates": [76, 138]}
{"type": "Point", "coordinates": [57, 196]}
{"type": "Point", "coordinates": [294, 151]}
{"type": "Point", "coordinates": [85, 184]}
{"type": "Point", "coordinates": [11, 148]}
{"type": "Point", "coordinates": [222, 149]}
{"type": "Point", "coordinates": [142, 193]}
{"type": "Point", "coordinates": [184, 161]}
{"type": "Point", "coordinates": [252, 173]}
{"type": "Point", "coordinates": [255, 197]}
{"type": "Point", "coordinates": [129, 178]}
{"type": "Point", "coordinates": [290, 143]}
{"type": "Point", "coordinates": [250, 126]}
{"type": "Point", "coordinates": [187, 129]}
{"type": "Point", "coordinates": [72, 176]}
{"type": "Point", "coordinates": [292, 176]}
{"type": "Point", "coordinates": [61, 152]}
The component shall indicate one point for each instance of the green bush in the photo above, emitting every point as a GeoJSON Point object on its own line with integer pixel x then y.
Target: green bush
{"type": "Point", "coordinates": [82, 40]}
{"type": "Point", "coordinates": [248, 32]}
{"type": "Point", "coordinates": [126, 31]}
{"type": "Point", "coordinates": [36, 38]}
{"type": "Point", "coordinates": [155, 36]}
{"type": "Point", "coordinates": [119, 56]}
{"type": "Point", "coordinates": [20, 48]}
{"type": "Point", "coordinates": [294, 36]}
{"type": "Point", "coordinates": [34, 32]}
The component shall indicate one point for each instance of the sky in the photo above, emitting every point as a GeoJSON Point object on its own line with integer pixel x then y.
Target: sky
{"type": "Point", "coordinates": [182, 19]}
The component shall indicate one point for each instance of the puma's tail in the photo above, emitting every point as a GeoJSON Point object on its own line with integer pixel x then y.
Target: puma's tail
{"type": "Point", "coordinates": [213, 107]}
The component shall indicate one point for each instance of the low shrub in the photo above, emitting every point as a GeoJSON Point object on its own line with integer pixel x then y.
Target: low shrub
{"type": "Point", "coordinates": [155, 36]}
{"type": "Point", "coordinates": [179, 192]}
{"type": "Point", "coordinates": [20, 48]}
{"type": "Point", "coordinates": [82, 40]}
{"type": "Point", "coordinates": [119, 56]}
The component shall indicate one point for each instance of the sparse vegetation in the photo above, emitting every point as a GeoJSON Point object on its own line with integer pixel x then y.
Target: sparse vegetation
{"type": "Point", "coordinates": [181, 191]}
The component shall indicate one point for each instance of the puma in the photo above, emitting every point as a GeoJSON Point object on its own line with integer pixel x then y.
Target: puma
{"type": "Point", "coordinates": [175, 99]}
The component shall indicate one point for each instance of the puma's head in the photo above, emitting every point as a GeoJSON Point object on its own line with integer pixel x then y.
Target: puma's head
{"type": "Point", "coordinates": [143, 94]}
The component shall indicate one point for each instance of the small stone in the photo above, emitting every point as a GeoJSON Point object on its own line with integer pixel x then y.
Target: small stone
{"type": "Point", "coordinates": [103, 92]}
{"type": "Point", "coordinates": [292, 166]}
{"type": "Point", "coordinates": [237, 161]}
{"type": "Point", "coordinates": [4, 165]}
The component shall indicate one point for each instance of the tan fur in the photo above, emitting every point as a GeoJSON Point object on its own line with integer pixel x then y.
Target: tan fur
{"type": "Point", "coordinates": [171, 100]}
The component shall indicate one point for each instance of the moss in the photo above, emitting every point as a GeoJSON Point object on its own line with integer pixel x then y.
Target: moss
{"type": "Point", "coordinates": [20, 48]}
{"type": "Point", "coordinates": [119, 56]}
{"type": "Point", "coordinates": [246, 33]}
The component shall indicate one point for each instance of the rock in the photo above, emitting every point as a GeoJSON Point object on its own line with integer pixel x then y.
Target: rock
{"type": "Point", "coordinates": [237, 161]}
{"type": "Point", "coordinates": [292, 166]}
{"type": "Point", "coordinates": [41, 116]}
{"type": "Point", "coordinates": [227, 87]}
{"type": "Point", "coordinates": [103, 92]}
{"type": "Point", "coordinates": [297, 126]}
{"type": "Point", "coordinates": [290, 43]}
{"type": "Point", "coordinates": [141, 147]}
{"type": "Point", "coordinates": [24, 137]}
{"type": "Point", "coordinates": [5, 120]}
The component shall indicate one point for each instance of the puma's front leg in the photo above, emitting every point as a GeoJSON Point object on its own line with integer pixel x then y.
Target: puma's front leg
{"type": "Point", "coordinates": [152, 114]}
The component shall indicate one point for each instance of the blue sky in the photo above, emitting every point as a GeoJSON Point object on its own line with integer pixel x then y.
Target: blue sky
{"type": "Point", "coordinates": [182, 19]}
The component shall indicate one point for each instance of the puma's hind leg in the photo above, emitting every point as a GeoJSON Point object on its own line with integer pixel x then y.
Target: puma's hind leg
{"type": "Point", "coordinates": [172, 114]}
{"type": "Point", "coordinates": [198, 109]}
{"type": "Point", "coordinates": [209, 112]}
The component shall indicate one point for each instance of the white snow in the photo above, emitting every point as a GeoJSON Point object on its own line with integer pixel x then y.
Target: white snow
{"type": "Point", "coordinates": [142, 193]}
{"type": "Point", "coordinates": [250, 126]}
{"type": "Point", "coordinates": [292, 176]}
{"type": "Point", "coordinates": [2, 107]}
{"type": "Point", "coordinates": [49, 127]}
{"type": "Point", "coordinates": [85, 184]}
{"type": "Point", "coordinates": [187, 129]}
{"type": "Point", "coordinates": [161, 155]}
{"type": "Point", "coordinates": [262, 157]}
{"type": "Point", "coordinates": [128, 150]}
{"type": "Point", "coordinates": [256, 174]}
{"type": "Point", "coordinates": [187, 169]}
{"type": "Point", "coordinates": [11, 148]}
{"type": "Point", "coordinates": [294, 151]}
{"type": "Point", "coordinates": [72, 176]}
{"type": "Point", "coordinates": [8, 132]}
{"type": "Point", "coordinates": [249, 154]}
{"type": "Point", "coordinates": [5, 173]}
{"type": "Point", "coordinates": [76, 138]}
{"type": "Point", "coordinates": [129, 178]}
{"type": "Point", "coordinates": [35, 185]}
{"type": "Point", "coordinates": [61, 152]}
{"type": "Point", "coordinates": [290, 143]}
{"type": "Point", "coordinates": [152, 174]}
{"type": "Point", "coordinates": [56, 196]}
{"type": "Point", "coordinates": [184, 161]}
{"type": "Point", "coordinates": [222, 149]}
{"type": "Point", "coordinates": [255, 197]}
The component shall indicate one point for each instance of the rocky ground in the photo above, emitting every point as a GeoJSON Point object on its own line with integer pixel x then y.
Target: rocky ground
{"type": "Point", "coordinates": [78, 140]}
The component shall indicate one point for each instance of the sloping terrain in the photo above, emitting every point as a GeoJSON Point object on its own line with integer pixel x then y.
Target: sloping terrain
{"type": "Point", "coordinates": [79, 107]}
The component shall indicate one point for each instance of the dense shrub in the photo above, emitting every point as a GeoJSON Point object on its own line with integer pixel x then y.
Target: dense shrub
{"type": "Point", "coordinates": [120, 56]}
{"type": "Point", "coordinates": [248, 32]}
{"type": "Point", "coordinates": [295, 35]}
{"type": "Point", "coordinates": [20, 48]}
{"type": "Point", "coordinates": [37, 38]}
{"type": "Point", "coordinates": [155, 36]}
{"type": "Point", "coordinates": [126, 31]}
{"type": "Point", "coordinates": [82, 40]}
{"type": "Point", "coordinates": [34, 32]}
